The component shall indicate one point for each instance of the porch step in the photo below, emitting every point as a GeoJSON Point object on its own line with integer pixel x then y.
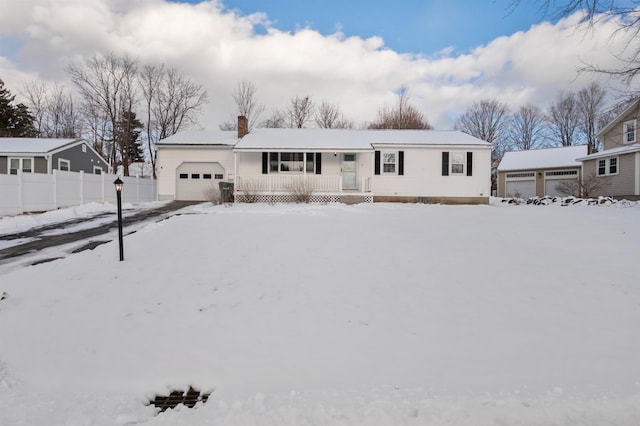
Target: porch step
{"type": "Point", "coordinates": [352, 199]}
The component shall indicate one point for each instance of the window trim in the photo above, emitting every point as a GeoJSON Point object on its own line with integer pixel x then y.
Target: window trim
{"type": "Point", "coordinates": [62, 161]}
{"type": "Point", "coordinates": [463, 154]}
{"type": "Point", "coordinates": [625, 132]}
{"type": "Point", "coordinates": [395, 162]}
{"type": "Point", "coordinates": [607, 166]}
{"type": "Point", "coordinates": [21, 164]}
{"type": "Point", "coordinates": [98, 168]}
{"type": "Point", "coordinates": [275, 162]}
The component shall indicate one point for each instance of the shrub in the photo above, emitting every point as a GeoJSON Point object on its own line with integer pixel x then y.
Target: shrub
{"type": "Point", "coordinates": [301, 190]}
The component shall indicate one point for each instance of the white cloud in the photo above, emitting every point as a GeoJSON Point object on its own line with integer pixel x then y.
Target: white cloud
{"type": "Point", "coordinates": [217, 47]}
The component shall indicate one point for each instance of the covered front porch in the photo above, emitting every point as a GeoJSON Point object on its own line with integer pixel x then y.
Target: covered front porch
{"type": "Point", "coordinates": [296, 176]}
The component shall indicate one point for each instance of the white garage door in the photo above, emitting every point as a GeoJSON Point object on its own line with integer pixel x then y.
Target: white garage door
{"type": "Point", "coordinates": [551, 187]}
{"type": "Point", "coordinates": [521, 188]}
{"type": "Point", "coordinates": [195, 180]}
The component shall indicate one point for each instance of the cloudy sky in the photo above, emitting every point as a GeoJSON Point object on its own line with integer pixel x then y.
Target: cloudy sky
{"type": "Point", "coordinates": [355, 53]}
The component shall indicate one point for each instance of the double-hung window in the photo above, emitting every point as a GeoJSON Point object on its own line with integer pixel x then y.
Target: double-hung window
{"type": "Point", "coordinates": [607, 166]}
{"type": "Point", "coordinates": [457, 163]}
{"type": "Point", "coordinates": [389, 162]}
{"type": "Point", "coordinates": [629, 132]}
{"type": "Point", "coordinates": [24, 164]}
{"type": "Point", "coordinates": [64, 165]}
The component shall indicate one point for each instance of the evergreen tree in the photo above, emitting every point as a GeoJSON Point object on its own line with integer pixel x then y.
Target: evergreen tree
{"type": "Point", "coordinates": [15, 121]}
{"type": "Point", "coordinates": [127, 134]}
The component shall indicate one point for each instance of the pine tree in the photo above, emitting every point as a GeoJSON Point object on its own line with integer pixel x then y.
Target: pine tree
{"type": "Point", "coordinates": [127, 134]}
{"type": "Point", "coordinates": [15, 121]}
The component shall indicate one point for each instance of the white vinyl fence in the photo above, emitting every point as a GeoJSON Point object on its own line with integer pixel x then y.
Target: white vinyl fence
{"type": "Point", "coordinates": [35, 192]}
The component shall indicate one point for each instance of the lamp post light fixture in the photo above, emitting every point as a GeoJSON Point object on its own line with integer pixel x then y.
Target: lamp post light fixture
{"type": "Point", "coordinates": [118, 183]}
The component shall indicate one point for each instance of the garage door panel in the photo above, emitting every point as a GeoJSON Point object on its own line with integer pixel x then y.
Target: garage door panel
{"type": "Point", "coordinates": [521, 188]}
{"type": "Point", "coordinates": [551, 187]}
{"type": "Point", "coordinates": [195, 180]}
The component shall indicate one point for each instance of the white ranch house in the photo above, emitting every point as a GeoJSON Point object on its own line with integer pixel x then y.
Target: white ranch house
{"type": "Point", "coordinates": [336, 165]}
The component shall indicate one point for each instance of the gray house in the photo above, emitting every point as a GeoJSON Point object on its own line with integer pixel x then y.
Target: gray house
{"type": "Point", "coordinates": [618, 164]}
{"type": "Point", "coordinates": [35, 155]}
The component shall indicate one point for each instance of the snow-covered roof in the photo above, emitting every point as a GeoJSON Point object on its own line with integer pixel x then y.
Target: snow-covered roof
{"type": "Point", "coordinates": [609, 152]}
{"type": "Point", "coordinates": [348, 139]}
{"type": "Point", "coordinates": [32, 145]}
{"type": "Point", "coordinates": [543, 158]}
{"type": "Point", "coordinates": [202, 137]}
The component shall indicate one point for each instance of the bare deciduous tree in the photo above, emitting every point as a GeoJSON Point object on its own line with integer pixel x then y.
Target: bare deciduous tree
{"type": "Point", "coordinates": [329, 116]}
{"type": "Point", "coordinates": [244, 96]}
{"type": "Point", "coordinates": [300, 111]}
{"type": "Point", "coordinates": [105, 84]}
{"type": "Point", "coordinates": [563, 118]}
{"type": "Point", "coordinates": [402, 115]}
{"type": "Point", "coordinates": [590, 104]}
{"type": "Point", "coordinates": [627, 15]}
{"type": "Point", "coordinates": [172, 102]}
{"type": "Point", "coordinates": [55, 115]}
{"type": "Point", "coordinates": [247, 102]}
{"type": "Point", "coordinates": [276, 120]}
{"type": "Point", "coordinates": [486, 120]}
{"type": "Point", "coordinates": [527, 127]}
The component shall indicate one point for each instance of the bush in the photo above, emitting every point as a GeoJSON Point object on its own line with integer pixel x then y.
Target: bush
{"type": "Point", "coordinates": [301, 190]}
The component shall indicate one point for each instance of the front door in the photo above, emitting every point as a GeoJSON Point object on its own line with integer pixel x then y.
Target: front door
{"type": "Point", "coordinates": [349, 171]}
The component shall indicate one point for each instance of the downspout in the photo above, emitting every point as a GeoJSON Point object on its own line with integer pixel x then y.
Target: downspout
{"type": "Point", "coordinates": [637, 179]}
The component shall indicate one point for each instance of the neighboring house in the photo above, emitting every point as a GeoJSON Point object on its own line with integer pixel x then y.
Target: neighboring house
{"type": "Point", "coordinates": [36, 155]}
{"type": "Point", "coordinates": [539, 172]}
{"type": "Point", "coordinates": [618, 164]}
{"type": "Point", "coordinates": [333, 164]}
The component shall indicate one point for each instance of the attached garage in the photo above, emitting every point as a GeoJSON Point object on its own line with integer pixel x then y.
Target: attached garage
{"type": "Point", "coordinates": [521, 185]}
{"type": "Point", "coordinates": [195, 180]}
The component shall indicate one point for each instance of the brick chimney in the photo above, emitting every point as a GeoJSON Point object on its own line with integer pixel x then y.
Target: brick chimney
{"type": "Point", "coordinates": [243, 126]}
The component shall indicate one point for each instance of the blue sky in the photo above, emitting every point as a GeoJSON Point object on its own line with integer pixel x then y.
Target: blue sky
{"type": "Point", "coordinates": [407, 26]}
{"type": "Point", "coordinates": [449, 53]}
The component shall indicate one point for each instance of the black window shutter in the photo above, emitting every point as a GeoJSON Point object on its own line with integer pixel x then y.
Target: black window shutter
{"type": "Point", "coordinates": [469, 163]}
{"type": "Point", "coordinates": [445, 164]}
{"type": "Point", "coordinates": [265, 163]}
{"type": "Point", "coordinates": [376, 169]}
{"type": "Point", "coordinates": [401, 163]}
{"type": "Point", "coordinates": [318, 163]}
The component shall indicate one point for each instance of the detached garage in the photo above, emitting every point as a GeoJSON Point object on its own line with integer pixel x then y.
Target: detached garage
{"type": "Point", "coordinates": [539, 172]}
{"type": "Point", "coordinates": [191, 163]}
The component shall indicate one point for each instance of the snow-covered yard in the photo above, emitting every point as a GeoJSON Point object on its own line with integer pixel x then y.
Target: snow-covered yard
{"type": "Point", "coordinates": [382, 314]}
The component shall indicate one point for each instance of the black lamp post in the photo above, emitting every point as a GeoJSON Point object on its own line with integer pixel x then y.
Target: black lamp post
{"type": "Point", "coordinates": [118, 183]}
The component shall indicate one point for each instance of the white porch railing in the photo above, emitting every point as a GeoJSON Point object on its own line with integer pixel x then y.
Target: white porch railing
{"type": "Point", "coordinates": [285, 183]}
